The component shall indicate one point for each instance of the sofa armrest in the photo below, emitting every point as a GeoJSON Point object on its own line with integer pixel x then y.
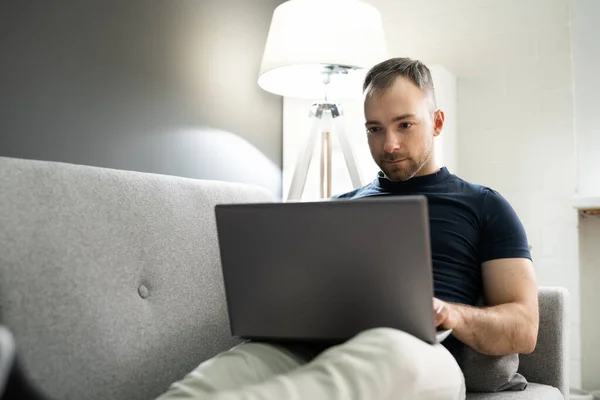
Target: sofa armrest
{"type": "Point", "coordinates": [549, 363]}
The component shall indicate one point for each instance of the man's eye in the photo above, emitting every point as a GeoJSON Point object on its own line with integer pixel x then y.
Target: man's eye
{"type": "Point", "coordinates": [373, 129]}
{"type": "Point", "coordinates": [405, 125]}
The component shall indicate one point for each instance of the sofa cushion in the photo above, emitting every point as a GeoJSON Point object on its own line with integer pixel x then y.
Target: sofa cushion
{"type": "Point", "coordinates": [491, 374]}
{"type": "Point", "coordinates": [534, 391]}
{"type": "Point", "coordinates": [111, 277]}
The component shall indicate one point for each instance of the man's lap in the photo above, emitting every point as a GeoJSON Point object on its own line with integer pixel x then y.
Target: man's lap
{"type": "Point", "coordinates": [376, 364]}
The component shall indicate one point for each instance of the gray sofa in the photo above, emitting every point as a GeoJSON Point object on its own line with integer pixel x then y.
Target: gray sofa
{"type": "Point", "coordinates": [111, 284]}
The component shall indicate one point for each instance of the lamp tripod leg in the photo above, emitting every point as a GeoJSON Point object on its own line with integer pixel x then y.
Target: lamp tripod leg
{"type": "Point", "coordinates": [303, 162]}
{"type": "Point", "coordinates": [349, 156]}
{"type": "Point", "coordinates": [326, 170]}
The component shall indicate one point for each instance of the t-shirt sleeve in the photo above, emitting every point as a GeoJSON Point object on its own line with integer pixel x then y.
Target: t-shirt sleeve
{"type": "Point", "coordinates": [502, 233]}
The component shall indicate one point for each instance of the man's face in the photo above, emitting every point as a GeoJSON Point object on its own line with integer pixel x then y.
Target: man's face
{"type": "Point", "coordinates": [401, 125]}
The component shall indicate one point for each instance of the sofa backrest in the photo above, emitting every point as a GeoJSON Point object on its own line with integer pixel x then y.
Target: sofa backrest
{"type": "Point", "coordinates": [111, 280]}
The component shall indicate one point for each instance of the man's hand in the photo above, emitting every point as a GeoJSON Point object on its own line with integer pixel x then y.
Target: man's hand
{"type": "Point", "coordinates": [445, 315]}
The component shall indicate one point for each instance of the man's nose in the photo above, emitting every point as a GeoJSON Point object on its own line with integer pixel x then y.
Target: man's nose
{"type": "Point", "coordinates": [391, 143]}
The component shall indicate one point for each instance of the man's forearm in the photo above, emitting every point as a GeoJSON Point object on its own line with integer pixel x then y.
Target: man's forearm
{"type": "Point", "coordinates": [498, 330]}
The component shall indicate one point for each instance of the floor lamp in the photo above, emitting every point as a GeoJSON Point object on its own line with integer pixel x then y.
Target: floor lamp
{"type": "Point", "coordinates": [316, 49]}
{"type": "Point", "coordinates": [326, 120]}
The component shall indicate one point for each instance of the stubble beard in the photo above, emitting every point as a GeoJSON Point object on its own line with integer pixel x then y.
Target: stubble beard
{"type": "Point", "coordinates": [401, 173]}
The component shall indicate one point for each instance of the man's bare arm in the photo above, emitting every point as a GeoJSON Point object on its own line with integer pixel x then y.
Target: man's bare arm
{"type": "Point", "coordinates": [510, 323]}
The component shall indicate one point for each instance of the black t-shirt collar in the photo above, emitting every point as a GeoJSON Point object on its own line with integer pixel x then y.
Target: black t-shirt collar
{"type": "Point", "coordinates": [417, 181]}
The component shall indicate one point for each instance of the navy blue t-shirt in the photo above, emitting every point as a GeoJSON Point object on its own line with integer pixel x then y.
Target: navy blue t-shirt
{"type": "Point", "coordinates": [469, 224]}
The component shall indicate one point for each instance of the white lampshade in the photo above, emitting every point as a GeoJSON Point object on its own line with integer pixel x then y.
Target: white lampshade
{"type": "Point", "coordinates": [306, 36]}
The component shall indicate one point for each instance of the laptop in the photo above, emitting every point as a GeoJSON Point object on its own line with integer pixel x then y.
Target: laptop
{"type": "Point", "coordinates": [325, 271]}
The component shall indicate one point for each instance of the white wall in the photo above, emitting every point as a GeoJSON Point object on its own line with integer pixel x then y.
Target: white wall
{"type": "Point", "coordinates": [586, 68]}
{"type": "Point", "coordinates": [446, 92]}
{"type": "Point", "coordinates": [296, 126]}
{"type": "Point", "coordinates": [515, 110]}
{"type": "Point", "coordinates": [585, 41]}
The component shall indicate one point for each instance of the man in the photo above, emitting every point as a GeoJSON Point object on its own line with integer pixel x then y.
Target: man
{"type": "Point", "coordinates": [479, 251]}
{"type": "Point", "coordinates": [479, 246]}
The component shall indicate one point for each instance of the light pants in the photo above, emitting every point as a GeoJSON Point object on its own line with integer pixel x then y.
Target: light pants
{"type": "Point", "coordinates": [378, 364]}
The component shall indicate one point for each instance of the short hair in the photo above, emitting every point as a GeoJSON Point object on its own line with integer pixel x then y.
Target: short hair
{"type": "Point", "coordinates": [383, 75]}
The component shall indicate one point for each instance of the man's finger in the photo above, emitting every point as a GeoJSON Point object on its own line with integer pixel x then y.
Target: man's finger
{"type": "Point", "coordinates": [441, 314]}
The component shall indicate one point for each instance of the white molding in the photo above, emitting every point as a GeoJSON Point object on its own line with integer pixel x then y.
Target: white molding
{"type": "Point", "coordinates": [586, 202]}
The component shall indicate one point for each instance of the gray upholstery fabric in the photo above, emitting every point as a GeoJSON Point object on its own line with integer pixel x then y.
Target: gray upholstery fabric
{"type": "Point", "coordinates": [534, 391]}
{"type": "Point", "coordinates": [110, 280]}
{"type": "Point", "coordinates": [491, 374]}
{"type": "Point", "coordinates": [549, 363]}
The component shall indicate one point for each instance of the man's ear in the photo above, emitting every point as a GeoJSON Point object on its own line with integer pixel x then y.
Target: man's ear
{"type": "Point", "coordinates": [438, 122]}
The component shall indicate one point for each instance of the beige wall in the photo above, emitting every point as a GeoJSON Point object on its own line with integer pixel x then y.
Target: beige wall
{"type": "Point", "coordinates": [589, 245]}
